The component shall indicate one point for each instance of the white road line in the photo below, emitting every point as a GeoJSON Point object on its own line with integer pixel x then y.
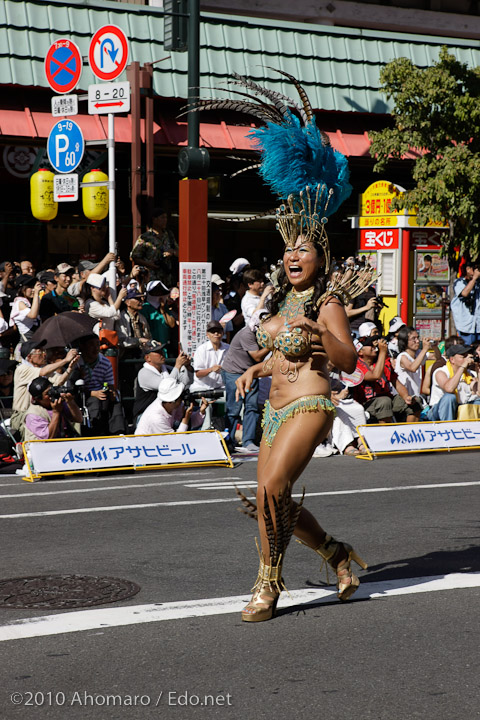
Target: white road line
{"type": "Point", "coordinates": [38, 493]}
{"type": "Point", "coordinates": [103, 477]}
{"type": "Point", "coordinates": [173, 503]}
{"type": "Point", "coordinates": [138, 614]}
{"type": "Point", "coordinates": [223, 486]}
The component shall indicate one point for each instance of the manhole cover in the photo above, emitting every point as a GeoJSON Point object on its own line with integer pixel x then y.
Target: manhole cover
{"type": "Point", "coordinates": [64, 591]}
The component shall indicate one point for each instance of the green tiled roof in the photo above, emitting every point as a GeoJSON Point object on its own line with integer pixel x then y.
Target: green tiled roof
{"type": "Point", "coordinates": [339, 67]}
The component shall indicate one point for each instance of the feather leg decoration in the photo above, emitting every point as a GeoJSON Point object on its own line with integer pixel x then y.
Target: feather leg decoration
{"type": "Point", "coordinates": [250, 508]}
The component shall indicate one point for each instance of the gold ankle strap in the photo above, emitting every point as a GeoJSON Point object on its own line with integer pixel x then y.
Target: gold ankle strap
{"type": "Point", "coordinates": [270, 575]}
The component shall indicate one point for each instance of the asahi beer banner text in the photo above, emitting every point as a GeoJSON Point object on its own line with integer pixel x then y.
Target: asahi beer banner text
{"type": "Point", "coordinates": [124, 451]}
{"type": "Point", "coordinates": [407, 437]}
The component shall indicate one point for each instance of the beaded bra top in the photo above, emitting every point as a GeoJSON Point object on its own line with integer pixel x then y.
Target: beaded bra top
{"type": "Point", "coordinates": [291, 343]}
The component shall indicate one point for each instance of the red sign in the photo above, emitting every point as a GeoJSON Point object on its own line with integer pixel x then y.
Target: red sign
{"type": "Point", "coordinates": [108, 52]}
{"type": "Point", "coordinates": [380, 239]}
{"type": "Point", "coordinates": [63, 66]}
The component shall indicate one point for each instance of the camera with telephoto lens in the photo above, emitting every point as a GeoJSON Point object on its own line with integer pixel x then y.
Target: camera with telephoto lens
{"type": "Point", "coordinates": [56, 391]}
{"type": "Point", "coordinates": [189, 397]}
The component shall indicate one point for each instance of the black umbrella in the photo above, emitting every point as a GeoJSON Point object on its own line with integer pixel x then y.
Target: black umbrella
{"type": "Point", "coordinates": [64, 329]}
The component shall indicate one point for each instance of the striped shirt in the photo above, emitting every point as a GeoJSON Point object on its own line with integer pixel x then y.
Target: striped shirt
{"type": "Point", "coordinates": [97, 373]}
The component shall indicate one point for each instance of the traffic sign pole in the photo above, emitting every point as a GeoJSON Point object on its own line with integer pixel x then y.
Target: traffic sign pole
{"type": "Point", "coordinates": [112, 241]}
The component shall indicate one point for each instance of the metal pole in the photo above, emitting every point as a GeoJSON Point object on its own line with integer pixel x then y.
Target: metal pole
{"type": "Point", "coordinates": [193, 71]}
{"type": "Point", "coordinates": [112, 242]}
{"type": "Point", "coordinates": [133, 74]}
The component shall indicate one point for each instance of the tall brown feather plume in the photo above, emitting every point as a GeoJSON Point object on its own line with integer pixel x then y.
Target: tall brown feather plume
{"type": "Point", "coordinates": [303, 95]}
{"type": "Point", "coordinates": [243, 107]}
{"type": "Point", "coordinates": [279, 100]}
{"type": "Point", "coordinates": [245, 169]}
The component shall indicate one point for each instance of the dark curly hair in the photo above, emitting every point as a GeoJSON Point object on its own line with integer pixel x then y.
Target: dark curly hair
{"type": "Point", "coordinates": [312, 306]}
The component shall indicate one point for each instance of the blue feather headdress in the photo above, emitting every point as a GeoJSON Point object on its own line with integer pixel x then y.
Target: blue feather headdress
{"type": "Point", "coordinates": [294, 157]}
{"type": "Point", "coordinates": [297, 161]}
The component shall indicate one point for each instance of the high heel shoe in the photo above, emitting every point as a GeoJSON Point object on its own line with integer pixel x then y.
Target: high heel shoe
{"type": "Point", "coordinates": [329, 551]}
{"type": "Point", "coordinates": [266, 591]}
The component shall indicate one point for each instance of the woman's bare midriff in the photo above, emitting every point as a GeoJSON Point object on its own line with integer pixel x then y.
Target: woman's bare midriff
{"type": "Point", "coordinates": [312, 372]}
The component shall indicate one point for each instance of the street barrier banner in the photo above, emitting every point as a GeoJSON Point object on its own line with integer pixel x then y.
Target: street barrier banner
{"type": "Point", "coordinates": [125, 452]}
{"type": "Point", "coordinates": [395, 438]}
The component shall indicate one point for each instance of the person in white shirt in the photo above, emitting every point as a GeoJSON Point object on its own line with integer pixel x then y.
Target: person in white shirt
{"type": "Point", "coordinates": [26, 306]}
{"type": "Point", "coordinates": [453, 385]}
{"type": "Point", "coordinates": [255, 282]}
{"type": "Point", "coordinates": [219, 309]}
{"type": "Point", "coordinates": [100, 305]}
{"type": "Point", "coordinates": [154, 370]}
{"type": "Point", "coordinates": [85, 267]}
{"type": "Point", "coordinates": [208, 358]}
{"type": "Point", "coordinates": [167, 410]}
{"type": "Point", "coordinates": [411, 358]}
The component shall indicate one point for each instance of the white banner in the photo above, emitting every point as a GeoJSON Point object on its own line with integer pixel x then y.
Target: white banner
{"type": "Point", "coordinates": [405, 437]}
{"type": "Point", "coordinates": [125, 451]}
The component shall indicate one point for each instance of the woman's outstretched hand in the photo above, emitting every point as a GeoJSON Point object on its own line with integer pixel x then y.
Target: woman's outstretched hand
{"type": "Point", "coordinates": [243, 384]}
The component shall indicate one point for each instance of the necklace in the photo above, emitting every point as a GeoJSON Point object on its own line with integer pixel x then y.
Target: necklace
{"type": "Point", "coordinates": [294, 303]}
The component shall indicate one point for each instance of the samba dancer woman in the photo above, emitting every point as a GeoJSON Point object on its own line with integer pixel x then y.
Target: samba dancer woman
{"type": "Point", "coordinates": [299, 413]}
{"type": "Point", "coordinates": [306, 327]}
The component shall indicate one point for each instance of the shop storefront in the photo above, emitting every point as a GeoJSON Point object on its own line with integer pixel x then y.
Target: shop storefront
{"type": "Point", "coordinates": [412, 274]}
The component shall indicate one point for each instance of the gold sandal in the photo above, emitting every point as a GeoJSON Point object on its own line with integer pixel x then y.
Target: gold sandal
{"type": "Point", "coordinates": [266, 591]}
{"type": "Point", "coordinates": [269, 583]}
{"type": "Point", "coordinates": [329, 551]}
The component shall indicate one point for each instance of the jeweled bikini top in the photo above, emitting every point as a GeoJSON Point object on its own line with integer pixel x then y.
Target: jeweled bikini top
{"type": "Point", "coordinates": [291, 343]}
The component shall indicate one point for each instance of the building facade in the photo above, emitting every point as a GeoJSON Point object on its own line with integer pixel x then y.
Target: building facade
{"type": "Point", "coordinates": [338, 65]}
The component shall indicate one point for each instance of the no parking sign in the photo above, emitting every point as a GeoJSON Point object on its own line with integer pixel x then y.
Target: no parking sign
{"type": "Point", "coordinates": [63, 66]}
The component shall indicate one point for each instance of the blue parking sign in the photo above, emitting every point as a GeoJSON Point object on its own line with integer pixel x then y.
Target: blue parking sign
{"type": "Point", "coordinates": [65, 146]}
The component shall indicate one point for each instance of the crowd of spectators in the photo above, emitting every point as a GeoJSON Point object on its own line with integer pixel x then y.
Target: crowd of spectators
{"type": "Point", "coordinates": [50, 391]}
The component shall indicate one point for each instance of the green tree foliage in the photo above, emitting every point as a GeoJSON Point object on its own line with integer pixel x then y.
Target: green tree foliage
{"type": "Point", "coordinates": [437, 113]}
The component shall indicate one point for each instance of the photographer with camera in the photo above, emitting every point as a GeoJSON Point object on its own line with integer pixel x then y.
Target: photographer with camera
{"type": "Point", "coordinates": [465, 304]}
{"type": "Point", "coordinates": [365, 307]}
{"type": "Point", "coordinates": [105, 411]}
{"type": "Point", "coordinates": [168, 413]}
{"type": "Point", "coordinates": [453, 384]}
{"type": "Point", "coordinates": [51, 411]}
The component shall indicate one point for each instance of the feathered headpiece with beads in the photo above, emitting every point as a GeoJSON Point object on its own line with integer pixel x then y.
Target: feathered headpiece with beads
{"type": "Point", "coordinates": [297, 161]}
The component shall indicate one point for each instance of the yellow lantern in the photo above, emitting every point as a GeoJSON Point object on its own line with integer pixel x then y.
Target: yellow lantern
{"type": "Point", "coordinates": [95, 199]}
{"type": "Point", "coordinates": [41, 195]}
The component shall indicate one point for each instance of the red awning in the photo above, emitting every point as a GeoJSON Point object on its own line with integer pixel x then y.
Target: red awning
{"type": "Point", "coordinates": [27, 125]}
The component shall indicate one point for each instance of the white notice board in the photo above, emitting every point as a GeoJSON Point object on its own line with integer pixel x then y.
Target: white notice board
{"type": "Point", "coordinates": [195, 304]}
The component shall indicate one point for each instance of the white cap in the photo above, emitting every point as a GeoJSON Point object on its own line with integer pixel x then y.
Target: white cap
{"type": "Point", "coordinates": [395, 324]}
{"type": "Point", "coordinates": [154, 284]}
{"type": "Point", "coordinates": [217, 279]}
{"type": "Point", "coordinates": [96, 280]}
{"type": "Point", "coordinates": [238, 265]}
{"type": "Point", "coordinates": [169, 389]}
{"type": "Point", "coordinates": [366, 328]}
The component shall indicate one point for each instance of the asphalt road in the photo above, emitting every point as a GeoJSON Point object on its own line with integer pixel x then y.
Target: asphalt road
{"type": "Point", "coordinates": [405, 647]}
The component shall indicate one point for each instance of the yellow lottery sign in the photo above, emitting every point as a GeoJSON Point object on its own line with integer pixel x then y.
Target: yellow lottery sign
{"type": "Point", "coordinates": [377, 199]}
